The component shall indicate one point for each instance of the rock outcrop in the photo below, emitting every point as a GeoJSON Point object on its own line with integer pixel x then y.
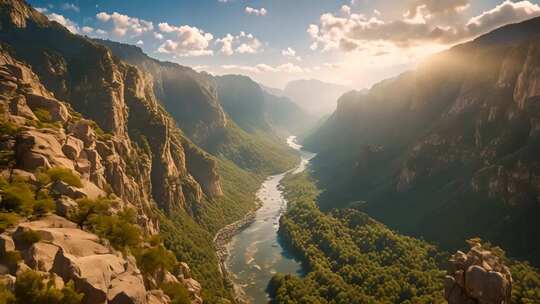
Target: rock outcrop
{"type": "Point", "coordinates": [103, 275]}
{"type": "Point", "coordinates": [137, 148]}
{"type": "Point", "coordinates": [477, 277]}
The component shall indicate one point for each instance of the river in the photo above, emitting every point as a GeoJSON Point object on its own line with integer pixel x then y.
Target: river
{"type": "Point", "coordinates": [255, 253]}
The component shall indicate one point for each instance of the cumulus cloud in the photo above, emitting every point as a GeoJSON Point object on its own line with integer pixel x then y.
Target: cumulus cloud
{"type": "Point", "coordinates": [66, 22]}
{"type": "Point", "coordinates": [70, 7]}
{"type": "Point", "coordinates": [352, 32]}
{"type": "Point", "coordinates": [255, 11]}
{"type": "Point", "coordinates": [123, 25]}
{"type": "Point", "coordinates": [290, 52]}
{"type": "Point", "coordinates": [187, 41]}
{"type": "Point", "coordinates": [158, 36]}
{"type": "Point", "coordinates": [243, 43]}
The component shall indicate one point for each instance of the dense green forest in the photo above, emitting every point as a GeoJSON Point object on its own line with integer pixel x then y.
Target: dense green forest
{"type": "Point", "coordinates": [351, 258]}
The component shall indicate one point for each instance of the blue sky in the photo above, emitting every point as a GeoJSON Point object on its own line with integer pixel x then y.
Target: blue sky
{"type": "Point", "coordinates": [352, 42]}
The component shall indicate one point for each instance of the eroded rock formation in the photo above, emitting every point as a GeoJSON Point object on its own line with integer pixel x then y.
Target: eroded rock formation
{"type": "Point", "coordinates": [477, 277]}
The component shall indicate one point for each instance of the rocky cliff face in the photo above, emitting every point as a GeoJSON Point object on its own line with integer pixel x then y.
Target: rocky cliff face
{"type": "Point", "coordinates": [190, 97]}
{"type": "Point", "coordinates": [121, 100]}
{"type": "Point", "coordinates": [460, 134]}
{"type": "Point", "coordinates": [40, 132]}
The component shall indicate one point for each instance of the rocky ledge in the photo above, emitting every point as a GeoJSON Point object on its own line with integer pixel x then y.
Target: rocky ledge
{"type": "Point", "coordinates": [477, 277]}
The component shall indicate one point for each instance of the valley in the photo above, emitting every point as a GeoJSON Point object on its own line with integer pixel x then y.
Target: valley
{"type": "Point", "coordinates": [141, 163]}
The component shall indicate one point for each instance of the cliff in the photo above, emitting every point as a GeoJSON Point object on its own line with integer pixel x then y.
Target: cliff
{"type": "Point", "coordinates": [458, 135]}
{"type": "Point", "coordinates": [120, 99]}
{"type": "Point", "coordinates": [54, 161]}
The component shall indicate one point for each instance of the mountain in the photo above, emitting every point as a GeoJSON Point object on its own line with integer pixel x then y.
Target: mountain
{"type": "Point", "coordinates": [314, 96]}
{"type": "Point", "coordinates": [213, 112]}
{"type": "Point", "coordinates": [448, 151]}
{"type": "Point", "coordinates": [102, 193]}
{"type": "Point", "coordinates": [254, 108]}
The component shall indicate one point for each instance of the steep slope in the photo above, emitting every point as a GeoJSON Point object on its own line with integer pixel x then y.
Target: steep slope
{"type": "Point", "coordinates": [457, 136]}
{"type": "Point", "coordinates": [206, 112]}
{"type": "Point", "coordinates": [314, 96]}
{"type": "Point", "coordinates": [189, 97]}
{"type": "Point", "coordinates": [126, 143]}
{"type": "Point", "coordinates": [54, 161]}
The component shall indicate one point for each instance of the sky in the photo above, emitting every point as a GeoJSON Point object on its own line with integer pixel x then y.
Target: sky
{"type": "Point", "coordinates": [350, 42]}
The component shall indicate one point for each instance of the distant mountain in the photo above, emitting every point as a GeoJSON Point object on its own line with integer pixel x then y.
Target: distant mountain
{"type": "Point", "coordinates": [448, 151]}
{"type": "Point", "coordinates": [254, 108]}
{"type": "Point", "coordinates": [314, 96]}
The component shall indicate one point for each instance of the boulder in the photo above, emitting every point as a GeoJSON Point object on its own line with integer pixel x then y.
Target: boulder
{"type": "Point", "coordinates": [40, 256]}
{"type": "Point", "coordinates": [477, 277]}
{"type": "Point", "coordinates": [128, 288]}
{"type": "Point", "coordinates": [72, 147]}
{"type": "Point", "coordinates": [64, 189]}
{"type": "Point", "coordinates": [83, 130]}
{"type": "Point", "coordinates": [65, 206]}
{"type": "Point", "coordinates": [157, 297]}
{"type": "Point", "coordinates": [57, 109]}
{"type": "Point", "coordinates": [6, 244]}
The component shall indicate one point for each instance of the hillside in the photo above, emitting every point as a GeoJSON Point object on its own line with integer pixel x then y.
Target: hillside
{"type": "Point", "coordinates": [445, 152]}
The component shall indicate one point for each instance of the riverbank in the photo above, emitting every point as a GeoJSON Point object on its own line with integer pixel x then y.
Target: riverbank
{"type": "Point", "coordinates": [221, 243]}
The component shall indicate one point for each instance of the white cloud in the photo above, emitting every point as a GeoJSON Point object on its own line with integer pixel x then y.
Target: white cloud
{"type": "Point", "coordinates": [158, 36]}
{"type": "Point", "coordinates": [356, 32]}
{"type": "Point", "coordinates": [290, 52]}
{"type": "Point", "coordinates": [67, 23]}
{"type": "Point", "coordinates": [140, 42]}
{"type": "Point", "coordinates": [123, 25]}
{"type": "Point", "coordinates": [87, 29]}
{"type": "Point", "coordinates": [70, 7]}
{"type": "Point", "coordinates": [255, 11]}
{"type": "Point", "coordinates": [42, 10]}
{"type": "Point", "coordinates": [188, 41]}
{"type": "Point", "coordinates": [346, 10]}
{"type": "Point", "coordinates": [243, 43]}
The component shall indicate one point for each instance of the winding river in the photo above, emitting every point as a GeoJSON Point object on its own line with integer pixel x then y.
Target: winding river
{"type": "Point", "coordinates": [255, 253]}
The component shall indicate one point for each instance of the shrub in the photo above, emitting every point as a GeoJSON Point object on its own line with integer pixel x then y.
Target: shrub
{"type": "Point", "coordinates": [118, 229]}
{"type": "Point", "coordinates": [6, 296]}
{"type": "Point", "coordinates": [43, 206]}
{"type": "Point", "coordinates": [18, 197]}
{"type": "Point", "coordinates": [65, 175]}
{"type": "Point", "coordinates": [29, 237]}
{"type": "Point", "coordinates": [43, 115]}
{"type": "Point", "coordinates": [31, 288]}
{"type": "Point", "coordinates": [89, 208]}
{"type": "Point", "coordinates": [177, 292]}
{"type": "Point", "coordinates": [156, 258]}
{"type": "Point", "coordinates": [7, 220]}
{"type": "Point", "coordinates": [8, 128]}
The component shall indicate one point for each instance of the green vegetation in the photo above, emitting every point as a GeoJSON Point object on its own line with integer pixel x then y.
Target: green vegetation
{"type": "Point", "coordinates": [7, 220]}
{"type": "Point", "coordinates": [351, 258]}
{"type": "Point", "coordinates": [177, 292]}
{"type": "Point", "coordinates": [153, 259]}
{"type": "Point", "coordinates": [64, 175]}
{"type": "Point", "coordinates": [119, 229]}
{"type": "Point", "coordinates": [34, 288]}
{"type": "Point", "coordinates": [190, 237]}
{"type": "Point", "coordinates": [20, 196]}
{"type": "Point", "coordinates": [260, 152]}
